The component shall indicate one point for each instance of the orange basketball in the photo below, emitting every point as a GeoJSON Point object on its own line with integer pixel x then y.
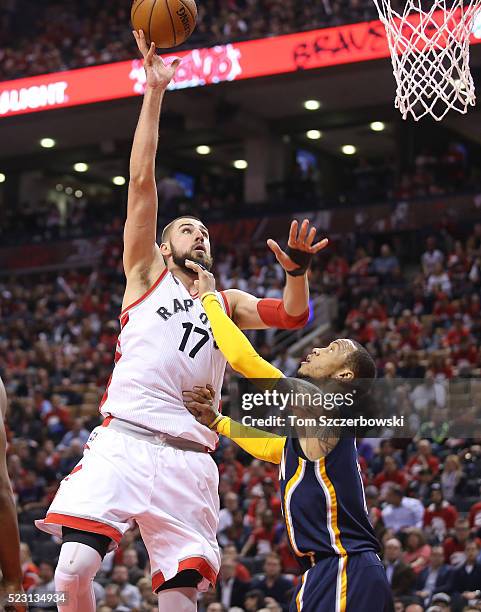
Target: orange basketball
{"type": "Point", "coordinates": [167, 23]}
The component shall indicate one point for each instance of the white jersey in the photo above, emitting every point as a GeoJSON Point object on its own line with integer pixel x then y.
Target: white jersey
{"type": "Point", "coordinates": [165, 346]}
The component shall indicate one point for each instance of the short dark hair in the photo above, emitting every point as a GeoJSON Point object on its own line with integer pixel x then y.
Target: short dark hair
{"type": "Point", "coordinates": [258, 594]}
{"type": "Point", "coordinates": [361, 362]}
{"type": "Point", "coordinates": [168, 227]}
{"type": "Point", "coordinates": [396, 489]}
{"type": "Point", "coordinates": [363, 367]}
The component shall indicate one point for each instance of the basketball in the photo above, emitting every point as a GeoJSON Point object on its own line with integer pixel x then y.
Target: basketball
{"type": "Point", "coordinates": [167, 23]}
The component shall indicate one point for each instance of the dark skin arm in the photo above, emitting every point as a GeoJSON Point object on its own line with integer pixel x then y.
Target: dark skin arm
{"type": "Point", "coordinates": [316, 441]}
{"type": "Point", "coordinates": [9, 540]}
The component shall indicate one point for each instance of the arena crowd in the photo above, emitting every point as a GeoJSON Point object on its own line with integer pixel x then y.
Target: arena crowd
{"type": "Point", "coordinates": [38, 38]}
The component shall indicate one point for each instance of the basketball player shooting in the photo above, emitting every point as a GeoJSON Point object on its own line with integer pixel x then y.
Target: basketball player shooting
{"type": "Point", "coordinates": [150, 461]}
{"type": "Point", "coordinates": [322, 492]}
{"type": "Point", "coordinates": [10, 567]}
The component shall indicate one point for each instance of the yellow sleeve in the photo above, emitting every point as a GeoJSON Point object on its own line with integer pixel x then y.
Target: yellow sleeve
{"type": "Point", "coordinates": [236, 348]}
{"type": "Point", "coordinates": [258, 443]}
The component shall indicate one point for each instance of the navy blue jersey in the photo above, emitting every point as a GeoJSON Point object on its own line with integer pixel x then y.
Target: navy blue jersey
{"type": "Point", "coordinates": [323, 503]}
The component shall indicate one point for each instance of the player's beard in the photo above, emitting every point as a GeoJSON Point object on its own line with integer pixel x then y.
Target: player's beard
{"type": "Point", "coordinates": [201, 258]}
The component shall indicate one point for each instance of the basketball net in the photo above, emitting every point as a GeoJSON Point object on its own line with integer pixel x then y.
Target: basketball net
{"type": "Point", "coordinates": [430, 54]}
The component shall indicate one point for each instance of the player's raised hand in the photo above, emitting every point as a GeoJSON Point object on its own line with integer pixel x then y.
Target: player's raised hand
{"type": "Point", "coordinates": [300, 248]}
{"type": "Point", "coordinates": [158, 74]}
{"type": "Point", "coordinates": [206, 281]}
{"type": "Point", "coordinates": [200, 403]}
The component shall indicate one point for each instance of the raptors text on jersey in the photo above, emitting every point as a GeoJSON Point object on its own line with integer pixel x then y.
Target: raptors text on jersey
{"type": "Point", "coordinates": [165, 347]}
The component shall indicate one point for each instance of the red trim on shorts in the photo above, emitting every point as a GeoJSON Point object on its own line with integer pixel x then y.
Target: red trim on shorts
{"type": "Point", "coordinates": [157, 580]}
{"type": "Point", "coordinates": [84, 524]}
{"type": "Point", "coordinates": [226, 303]}
{"type": "Point", "coordinates": [192, 563]}
{"type": "Point", "coordinates": [201, 565]}
{"type": "Point", "coordinates": [147, 293]}
{"type": "Point", "coordinates": [107, 420]}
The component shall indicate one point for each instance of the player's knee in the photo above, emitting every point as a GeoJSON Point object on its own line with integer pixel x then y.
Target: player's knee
{"type": "Point", "coordinates": [66, 583]}
{"type": "Point", "coordinates": [76, 568]}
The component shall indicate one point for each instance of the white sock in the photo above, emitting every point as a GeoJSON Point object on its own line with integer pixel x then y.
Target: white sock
{"type": "Point", "coordinates": [182, 599]}
{"type": "Point", "coordinates": [76, 569]}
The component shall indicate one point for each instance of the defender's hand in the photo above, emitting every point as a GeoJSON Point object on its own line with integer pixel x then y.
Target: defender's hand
{"type": "Point", "coordinates": [200, 403]}
{"type": "Point", "coordinates": [206, 280]}
{"type": "Point", "coordinates": [300, 241]}
{"type": "Point", "coordinates": [158, 74]}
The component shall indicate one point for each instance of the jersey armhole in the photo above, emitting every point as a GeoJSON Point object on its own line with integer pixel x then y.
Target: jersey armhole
{"type": "Point", "coordinates": [226, 304]}
{"type": "Point", "coordinates": [146, 294]}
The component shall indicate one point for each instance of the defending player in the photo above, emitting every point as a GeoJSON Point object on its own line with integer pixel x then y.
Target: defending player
{"type": "Point", "coordinates": [323, 497]}
{"type": "Point", "coordinates": [11, 570]}
{"type": "Point", "coordinates": [148, 460]}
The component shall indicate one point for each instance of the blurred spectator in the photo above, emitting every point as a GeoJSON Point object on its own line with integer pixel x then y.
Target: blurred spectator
{"type": "Point", "coordinates": [226, 514]}
{"type": "Point", "coordinates": [113, 600]}
{"type": "Point", "coordinates": [263, 537]}
{"type": "Point", "coordinates": [131, 562]}
{"type": "Point", "coordinates": [440, 516]}
{"type": "Point", "coordinates": [272, 583]}
{"type": "Point", "coordinates": [435, 577]}
{"type": "Point", "coordinates": [386, 264]}
{"type": "Point", "coordinates": [77, 431]}
{"type": "Point", "coordinates": [399, 575]}
{"type": "Point", "coordinates": [431, 257]}
{"type": "Point", "coordinates": [417, 551]}
{"type": "Point", "coordinates": [129, 593]}
{"type": "Point", "coordinates": [43, 592]}
{"type": "Point", "coordinates": [442, 601]}
{"type": "Point", "coordinates": [30, 570]}
{"type": "Point", "coordinates": [391, 474]}
{"type": "Point", "coordinates": [401, 512]}
{"type": "Point", "coordinates": [237, 533]}
{"type": "Point", "coordinates": [454, 547]}
{"type": "Point", "coordinates": [466, 580]}
{"type": "Point", "coordinates": [254, 600]}
{"type": "Point", "coordinates": [429, 392]}
{"type": "Point", "coordinates": [438, 280]}
{"type": "Point", "coordinates": [230, 590]}
{"type": "Point", "coordinates": [475, 517]}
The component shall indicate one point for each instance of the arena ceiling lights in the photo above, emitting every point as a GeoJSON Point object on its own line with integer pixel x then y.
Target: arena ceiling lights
{"type": "Point", "coordinates": [203, 150]}
{"type": "Point", "coordinates": [47, 143]}
{"type": "Point", "coordinates": [345, 44]}
{"type": "Point", "coordinates": [240, 164]}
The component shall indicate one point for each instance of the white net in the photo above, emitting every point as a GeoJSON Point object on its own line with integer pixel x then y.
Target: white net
{"type": "Point", "coordinates": [430, 54]}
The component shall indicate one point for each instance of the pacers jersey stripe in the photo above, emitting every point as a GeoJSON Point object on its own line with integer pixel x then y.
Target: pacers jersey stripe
{"type": "Point", "coordinates": [331, 506]}
{"type": "Point", "coordinates": [299, 598]}
{"type": "Point", "coordinates": [324, 507]}
{"type": "Point", "coordinates": [293, 483]}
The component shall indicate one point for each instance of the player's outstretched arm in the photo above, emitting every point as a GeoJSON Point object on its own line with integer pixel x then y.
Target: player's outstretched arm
{"type": "Point", "coordinates": [140, 249]}
{"type": "Point", "coordinates": [9, 541]}
{"type": "Point", "coordinates": [258, 443]}
{"type": "Point", "coordinates": [292, 312]}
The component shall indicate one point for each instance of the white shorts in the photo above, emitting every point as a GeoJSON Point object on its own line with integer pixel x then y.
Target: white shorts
{"type": "Point", "coordinates": [172, 494]}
